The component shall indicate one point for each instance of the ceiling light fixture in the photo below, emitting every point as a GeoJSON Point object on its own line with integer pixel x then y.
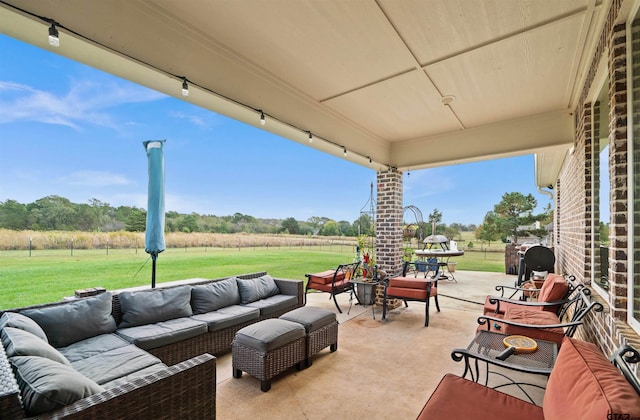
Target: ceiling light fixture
{"type": "Point", "coordinates": [185, 87]}
{"type": "Point", "coordinates": [54, 39]}
{"type": "Point", "coordinates": [310, 137]}
{"type": "Point", "coordinates": [262, 120]}
{"type": "Point", "coordinates": [447, 99]}
{"type": "Point", "coordinates": [344, 150]}
{"type": "Point", "coordinates": [370, 162]}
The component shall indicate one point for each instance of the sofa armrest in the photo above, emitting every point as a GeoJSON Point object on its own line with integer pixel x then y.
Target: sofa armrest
{"type": "Point", "coordinates": [184, 390]}
{"type": "Point", "coordinates": [292, 287]}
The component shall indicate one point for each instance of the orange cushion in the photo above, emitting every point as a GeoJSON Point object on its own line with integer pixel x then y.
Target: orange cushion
{"type": "Point", "coordinates": [408, 282]}
{"type": "Point", "coordinates": [554, 288]}
{"type": "Point", "coordinates": [326, 287]}
{"type": "Point", "coordinates": [458, 398]}
{"type": "Point", "coordinates": [401, 292]}
{"type": "Point", "coordinates": [325, 277]}
{"type": "Point", "coordinates": [533, 317]}
{"type": "Point", "coordinates": [585, 385]}
{"type": "Point", "coordinates": [490, 308]}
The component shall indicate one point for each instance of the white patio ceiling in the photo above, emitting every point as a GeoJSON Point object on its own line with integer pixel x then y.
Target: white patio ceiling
{"type": "Point", "coordinates": [371, 76]}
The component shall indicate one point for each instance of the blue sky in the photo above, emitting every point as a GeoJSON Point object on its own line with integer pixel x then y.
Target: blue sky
{"type": "Point", "coordinates": [70, 130]}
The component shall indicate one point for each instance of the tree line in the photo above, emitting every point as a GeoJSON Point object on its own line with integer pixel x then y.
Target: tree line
{"type": "Point", "coordinates": [58, 213]}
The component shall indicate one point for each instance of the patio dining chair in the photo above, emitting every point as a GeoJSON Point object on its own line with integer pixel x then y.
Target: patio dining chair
{"type": "Point", "coordinates": [333, 282]}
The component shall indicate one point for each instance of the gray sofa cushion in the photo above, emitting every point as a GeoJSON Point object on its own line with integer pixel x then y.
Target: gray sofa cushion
{"type": "Point", "coordinates": [228, 317]}
{"type": "Point", "coordinates": [160, 334]}
{"type": "Point", "coordinates": [269, 334]}
{"type": "Point", "coordinates": [153, 369]}
{"type": "Point", "coordinates": [113, 364]}
{"type": "Point", "coordinates": [22, 343]}
{"type": "Point", "coordinates": [75, 320]}
{"type": "Point", "coordinates": [46, 385]}
{"type": "Point", "coordinates": [92, 346]}
{"type": "Point", "coordinates": [16, 320]}
{"type": "Point", "coordinates": [156, 305]}
{"type": "Point", "coordinates": [256, 289]}
{"type": "Point", "coordinates": [215, 295]}
{"type": "Point", "coordinates": [274, 304]}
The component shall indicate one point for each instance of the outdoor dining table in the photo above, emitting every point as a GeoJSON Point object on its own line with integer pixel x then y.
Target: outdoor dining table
{"type": "Point", "coordinates": [442, 257]}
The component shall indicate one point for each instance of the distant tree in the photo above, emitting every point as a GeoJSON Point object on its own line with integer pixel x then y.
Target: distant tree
{"type": "Point", "coordinates": [188, 223]}
{"type": "Point", "coordinates": [345, 228]}
{"type": "Point", "coordinates": [514, 211]}
{"type": "Point", "coordinates": [330, 228]}
{"type": "Point", "coordinates": [53, 213]}
{"type": "Point", "coordinates": [137, 221]}
{"type": "Point", "coordinates": [364, 225]}
{"type": "Point", "coordinates": [13, 215]}
{"type": "Point", "coordinates": [317, 223]}
{"type": "Point", "coordinates": [489, 230]}
{"type": "Point", "coordinates": [451, 233]}
{"type": "Point", "coordinates": [435, 216]}
{"type": "Point", "coordinates": [291, 225]}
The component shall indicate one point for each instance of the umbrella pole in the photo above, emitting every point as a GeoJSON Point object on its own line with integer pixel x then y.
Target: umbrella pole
{"type": "Point", "coordinates": [153, 270]}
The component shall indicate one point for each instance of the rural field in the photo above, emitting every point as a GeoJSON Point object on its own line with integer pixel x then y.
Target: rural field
{"type": "Point", "coordinates": [46, 275]}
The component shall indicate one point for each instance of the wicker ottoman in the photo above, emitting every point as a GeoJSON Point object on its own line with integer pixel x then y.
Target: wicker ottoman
{"type": "Point", "coordinates": [321, 328]}
{"type": "Point", "coordinates": [267, 348]}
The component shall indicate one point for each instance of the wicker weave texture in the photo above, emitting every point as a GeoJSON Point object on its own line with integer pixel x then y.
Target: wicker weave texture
{"type": "Point", "coordinates": [322, 338]}
{"type": "Point", "coordinates": [265, 366]}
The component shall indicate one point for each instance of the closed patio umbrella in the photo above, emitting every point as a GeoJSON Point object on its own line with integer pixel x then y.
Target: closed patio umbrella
{"type": "Point", "coordinates": [154, 235]}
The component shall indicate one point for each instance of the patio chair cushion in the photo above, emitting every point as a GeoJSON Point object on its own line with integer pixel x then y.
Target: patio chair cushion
{"type": "Point", "coordinates": [22, 343]}
{"type": "Point", "coordinates": [252, 290]}
{"type": "Point", "coordinates": [215, 295]}
{"type": "Point", "coordinates": [22, 322]}
{"type": "Point", "coordinates": [585, 385]}
{"type": "Point", "coordinates": [75, 320]}
{"type": "Point", "coordinates": [408, 283]}
{"type": "Point", "coordinates": [273, 304]}
{"type": "Point", "coordinates": [326, 277]}
{"type": "Point", "coordinates": [46, 385]}
{"type": "Point", "coordinates": [554, 288]}
{"type": "Point", "coordinates": [227, 317]}
{"type": "Point", "coordinates": [533, 317]}
{"type": "Point", "coordinates": [160, 334]}
{"type": "Point", "coordinates": [113, 364]}
{"type": "Point", "coordinates": [459, 398]}
{"type": "Point", "coordinates": [155, 305]}
{"type": "Point", "coordinates": [269, 334]}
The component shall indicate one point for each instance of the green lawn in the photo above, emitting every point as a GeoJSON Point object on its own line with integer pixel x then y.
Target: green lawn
{"type": "Point", "coordinates": [47, 276]}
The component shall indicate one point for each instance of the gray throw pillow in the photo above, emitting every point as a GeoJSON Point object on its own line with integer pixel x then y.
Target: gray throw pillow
{"type": "Point", "coordinates": [215, 295]}
{"type": "Point", "coordinates": [155, 305]}
{"type": "Point", "coordinates": [16, 320]}
{"type": "Point", "coordinates": [22, 343]}
{"type": "Point", "coordinates": [46, 385]}
{"type": "Point", "coordinates": [252, 290]}
{"type": "Point", "coordinates": [75, 320]}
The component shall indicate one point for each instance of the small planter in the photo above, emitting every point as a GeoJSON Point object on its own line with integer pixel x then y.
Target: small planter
{"type": "Point", "coordinates": [452, 267]}
{"type": "Point", "coordinates": [366, 293]}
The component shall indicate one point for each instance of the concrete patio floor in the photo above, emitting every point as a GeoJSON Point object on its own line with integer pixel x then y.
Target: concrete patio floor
{"type": "Point", "coordinates": [381, 370]}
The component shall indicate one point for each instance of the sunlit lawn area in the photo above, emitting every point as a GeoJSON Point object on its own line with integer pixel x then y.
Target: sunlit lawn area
{"type": "Point", "coordinates": [47, 276]}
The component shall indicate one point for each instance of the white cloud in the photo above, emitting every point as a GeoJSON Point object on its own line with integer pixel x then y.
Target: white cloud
{"type": "Point", "coordinates": [94, 179]}
{"type": "Point", "coordinates": [86, 102]}
{"type": "Point", "coordinates": [193, 119]}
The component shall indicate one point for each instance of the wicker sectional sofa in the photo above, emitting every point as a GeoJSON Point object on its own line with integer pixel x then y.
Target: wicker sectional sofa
{"type": "Point", "coordinates": [131, 353]}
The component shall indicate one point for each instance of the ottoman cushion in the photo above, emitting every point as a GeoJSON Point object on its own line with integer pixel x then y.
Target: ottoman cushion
{"type": "Point", "coordinates": [269, 334]}
{"type": "Point", "coordinates": [310, 317]}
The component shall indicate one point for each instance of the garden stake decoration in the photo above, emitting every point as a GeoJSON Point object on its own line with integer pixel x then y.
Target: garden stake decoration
{"type": "Point", "coordinates": [154, 234]}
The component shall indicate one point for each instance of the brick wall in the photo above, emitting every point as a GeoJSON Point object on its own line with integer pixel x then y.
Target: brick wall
{"type": "Point", "coordinates": [576, 207]}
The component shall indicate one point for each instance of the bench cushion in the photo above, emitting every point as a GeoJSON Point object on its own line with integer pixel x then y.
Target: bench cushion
{"type": "Point", "coordinates": [227, 317]}
{"type": "Point", "coordinates": [215, 295]}
{"type": "Point", "coordinates": [160, 334]}
{"type": "Point", "coordinates": [113, 364]}
{"type": "Point", "coordinates": [156, 305]}
{"type": "Point", "coordinates": [274, 304]}
{"type": "Point", "coordinates": [75, 320]}
{"type": "Point", "coordinates": [46, 385]}
{"type": "Point", "coordinates": [585, 385]}
{"type": "Point", "coordinates": [458, 398]}
{"type": "Point", "coordinates": [92, 346]}
{"type": "Point", "coordinates": [533, 317]}
{"type": "Point", "coordinates": [267, 335]}
{"type": "Point", "coordinates": [310, 317]}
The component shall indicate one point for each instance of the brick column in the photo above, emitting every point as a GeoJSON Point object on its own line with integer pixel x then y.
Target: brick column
{"type": "Point", "coordinates": [389, 228]}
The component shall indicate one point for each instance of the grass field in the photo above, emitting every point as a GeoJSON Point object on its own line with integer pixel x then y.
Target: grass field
{"type": "Point", "coordinates": [47, 276]}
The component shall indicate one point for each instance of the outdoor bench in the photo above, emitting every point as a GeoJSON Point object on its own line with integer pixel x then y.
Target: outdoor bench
{"type": "Point", "coordinates": [131, 353]}
{"type": "Point", "coordinates": [583, 385]}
